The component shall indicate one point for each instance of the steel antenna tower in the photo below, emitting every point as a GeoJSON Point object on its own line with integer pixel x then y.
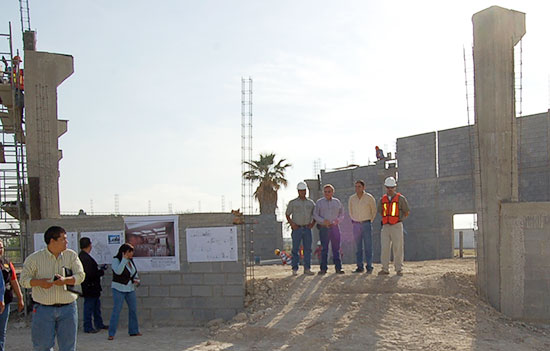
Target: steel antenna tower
{"type": "Point", "coordinates": [25, 15]}
{"type": "Point", "coordinates": [246, 185]}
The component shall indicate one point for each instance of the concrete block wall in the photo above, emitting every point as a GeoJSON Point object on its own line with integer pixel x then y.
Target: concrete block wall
{"type": "Point", "coordinates": [416, 160]}
{"type": "Point", "coordinates": [525, 243]}
{"type": "Point", "coordinates": [268, 235]}
{"type": "Point", "coordinates": [416, 157]}
{"type": "Point", "coordinates": [435, 196]}
{"type": "Point", "coordinates": [456, 151]}
{"type": "Point", "coordinates": [199, 292]}
{"type": "Point", "coordinates": [533, 157]}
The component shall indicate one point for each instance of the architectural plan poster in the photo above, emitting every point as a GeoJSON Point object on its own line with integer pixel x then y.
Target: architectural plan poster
{"type": "Point", "coordinates": [104, 244]}
{"type": "Point", "coordinates": [212, 244]}
{"type": "Point", "coordinates": [156, 242]}
{"type": "Point", "coordinates": [72, 238]}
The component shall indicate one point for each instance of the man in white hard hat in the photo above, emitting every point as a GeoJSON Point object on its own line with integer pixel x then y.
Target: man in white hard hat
{"type": "Point", "coordinates": [299, 214]}
{"type": "Point", "coordinates": [394, 208]}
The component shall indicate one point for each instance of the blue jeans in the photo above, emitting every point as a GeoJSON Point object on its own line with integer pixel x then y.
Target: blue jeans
{"type": "Point", "coordinates": [362, 232]}
{"type": "Point", "coordinates": [332, 235]}
{"type": "Point", "coordinates": [49, 321]}
{"type": "Point", "coordinates": [302, 234]}
{"type": "Point", "coordinates": [4, 325]}
{"type": "Point", "coordinates": [118, 300]}
{"type": "Point", "coordinates": [92, 307]}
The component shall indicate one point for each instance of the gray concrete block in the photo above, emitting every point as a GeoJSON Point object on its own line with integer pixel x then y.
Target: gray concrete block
{"type": "Point", "coordinates": [166, 302]}
{"type": "Point", "coordinates": [180, 290]}
{"type": "Point", "coordinates": [159, 291]}
{"type": "Point", "coordinates": [234, 278]}
{"type": "Point", "coordinates": [149, 279]}
{"type": "Point", "coordinates": [201, 267]}
{"type": "Point", "coordinates": [203, 315]}
{"type": "Point", "coordinates": [192, 279]}
{"type": "Point", "coordinates": [170, 279]}
{"type": "Point", "coordinates": [233, 290]}
{"type": "Point", "coordinates": [232, 267]}
{"type": "Point", "coordinates": [142, 291]}
{"type": "Point", "coordinates": [217, 290]}
{"type": "Point", "coordinates": [214, 279]}
{"type": "Point", "coordinates": [201, 290]}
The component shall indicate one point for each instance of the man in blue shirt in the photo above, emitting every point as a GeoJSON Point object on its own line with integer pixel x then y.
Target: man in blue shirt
{"type": "Point", "coordinates": [328, 213]}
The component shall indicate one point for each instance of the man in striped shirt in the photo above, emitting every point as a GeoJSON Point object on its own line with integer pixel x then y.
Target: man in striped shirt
{"type": "Point", "coordinates": [47, 272]}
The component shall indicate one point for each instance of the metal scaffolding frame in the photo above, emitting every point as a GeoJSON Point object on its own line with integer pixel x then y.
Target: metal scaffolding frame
{"type": "Point", "coordinates": [13, 170]}
{"type": "Point", "coordinates": [247, 205]}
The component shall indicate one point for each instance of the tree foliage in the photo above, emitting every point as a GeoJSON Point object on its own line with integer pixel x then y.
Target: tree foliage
{"type": "Point", "coordinates": [271, 176]}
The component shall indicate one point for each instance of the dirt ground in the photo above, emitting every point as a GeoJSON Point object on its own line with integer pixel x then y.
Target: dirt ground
{"type": "Point", "coordinates": [434, 306]}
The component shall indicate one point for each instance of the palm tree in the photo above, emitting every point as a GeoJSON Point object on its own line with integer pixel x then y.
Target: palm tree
{"type": "Point", "coordinates": [271, 176]}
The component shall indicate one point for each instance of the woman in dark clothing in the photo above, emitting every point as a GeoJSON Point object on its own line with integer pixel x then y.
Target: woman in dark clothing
{"type": "Point", "coordinates": [91, 288]}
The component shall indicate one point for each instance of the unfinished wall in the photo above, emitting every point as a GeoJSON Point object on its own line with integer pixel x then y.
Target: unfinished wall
{"type": "Point", "coordinates": [268, 235]}
{"type": "Point", "coordinates": [439, 187]}
{"type": "Point", "coordinates": [199, 292]}
{"type": "Point", "coordinates": [534, 157]}
{"type": "Point", "coordinates": [44, 72]}
{"type": "Point", "coordinates": [417, 182]}
{"type": "Point", "coordinates": [524, 263]}
{"type": "Point", "coordinates": [496, 32]}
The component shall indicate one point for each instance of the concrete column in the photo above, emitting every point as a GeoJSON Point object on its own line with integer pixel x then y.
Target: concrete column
{"type": "Point", "coordinates": [496, 32]}
{"type": "Point", "coordinates": [44, 72]}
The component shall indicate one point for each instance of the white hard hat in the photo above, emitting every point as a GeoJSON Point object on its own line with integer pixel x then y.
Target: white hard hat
{"type": "Point", "coordinates": [302, 186]}
{"type": "Point", "coordinates": [390, 182]}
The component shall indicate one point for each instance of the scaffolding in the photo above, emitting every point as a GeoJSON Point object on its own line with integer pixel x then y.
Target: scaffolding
{"type": "Point", "coordinates": [13, 172]}
{"type": "Point", "coordinates": [25, 15]}
{"type": "Point", "coordinates": [247, 226]}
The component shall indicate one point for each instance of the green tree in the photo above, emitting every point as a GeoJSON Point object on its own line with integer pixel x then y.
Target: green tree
{"type": "Point", "coordinates": [271, 176]}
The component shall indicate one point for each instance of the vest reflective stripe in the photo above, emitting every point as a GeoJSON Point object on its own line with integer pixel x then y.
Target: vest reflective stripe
{"type": "Point", "coordinates": [390, 216]}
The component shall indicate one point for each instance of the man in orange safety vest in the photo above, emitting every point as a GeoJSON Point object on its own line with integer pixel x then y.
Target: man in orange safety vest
{"type": "Point", "coordinates": [394, 208]}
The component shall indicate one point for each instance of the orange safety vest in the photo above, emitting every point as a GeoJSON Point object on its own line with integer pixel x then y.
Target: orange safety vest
{"type": "Point", "coordinates": [390, 210]}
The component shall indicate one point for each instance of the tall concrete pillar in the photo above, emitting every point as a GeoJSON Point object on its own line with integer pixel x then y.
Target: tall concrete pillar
{"type": "Point", "coordinates": [496, 32]}
{"type": "Point", "coordinates": [44, 72]}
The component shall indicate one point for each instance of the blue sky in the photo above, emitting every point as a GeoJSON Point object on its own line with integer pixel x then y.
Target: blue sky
{"type": "Point", "coordinates": [154, 103]}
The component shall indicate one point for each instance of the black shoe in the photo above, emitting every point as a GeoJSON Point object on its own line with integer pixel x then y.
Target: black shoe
{"type": "Point", "coordinates": [358, 270]}
{"type": "Point", "coordinates": [369, 271]}
{"type": "Point", "coordinates": [339, 271]}
{"type": "Point", "coordinates": [105, 327]}
{"type": "Point", "coordinates": [93, 331]}
{"type": "Point", "coordinates": [321, 272]}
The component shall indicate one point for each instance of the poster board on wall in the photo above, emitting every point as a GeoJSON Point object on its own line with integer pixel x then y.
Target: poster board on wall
{"type": "Point", "coordinates": [72, 238]}
{"type": "Point", "coordinates": [212, 244]}
{"type": "Point", "coordinates": [105, 244]}
{"type": "Point", "coordinates": [155, 240]}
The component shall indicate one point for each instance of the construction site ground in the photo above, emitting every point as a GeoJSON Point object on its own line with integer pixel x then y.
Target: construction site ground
{"type": "Point", "coordinates": [433, 306]}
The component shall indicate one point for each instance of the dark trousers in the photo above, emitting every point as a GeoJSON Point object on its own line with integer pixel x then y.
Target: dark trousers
{"type": "Point", "coordinates": [332, 235]}
{"type": "Point", "coordinates": [92, 307]}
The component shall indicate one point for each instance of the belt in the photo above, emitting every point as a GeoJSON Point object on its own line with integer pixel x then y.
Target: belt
{"type": "Point", "coordinates": [54, 305]}
{"type": "Point", "coordinates": [327, 226]}
{"type": "Point", "coordinates": [303, 226]}
{"type": "Point", "coordinates": [367, 221]}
